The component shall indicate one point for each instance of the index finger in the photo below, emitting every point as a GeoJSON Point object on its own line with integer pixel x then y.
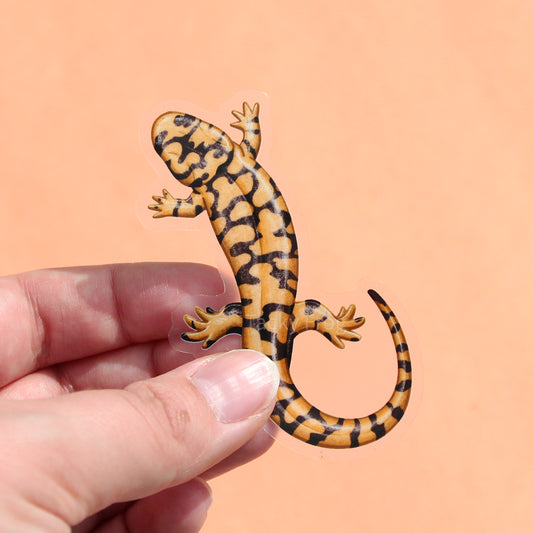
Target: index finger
{"type": "Point", "coordinates": [52, 316]}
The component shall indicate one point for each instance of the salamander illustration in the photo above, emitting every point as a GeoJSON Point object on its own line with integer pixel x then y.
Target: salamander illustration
{"type": "Point", "coordinates": [254, 228]}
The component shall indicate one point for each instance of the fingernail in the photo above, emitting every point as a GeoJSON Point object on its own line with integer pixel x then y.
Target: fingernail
{"type": "Point", "coordinates": [237, 385]}
{"type": "Point", "coordinates": [206, 493]}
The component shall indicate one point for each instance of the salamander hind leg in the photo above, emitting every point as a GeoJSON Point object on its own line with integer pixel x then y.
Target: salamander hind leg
{"type": "Point", "coordinates": [211, 325]}
{"type": "Point", "coordinates": [312, 315]}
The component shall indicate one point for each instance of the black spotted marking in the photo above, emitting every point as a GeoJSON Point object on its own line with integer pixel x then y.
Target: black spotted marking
{"type": "Point", "coordinates": [253, 323]}
{"type": "Point", "coordinates": [400, 348]}
{"type": "Point", "coordinates": [378, 429]}
{"type": "Point", "coordinates": [184, 120]}
{"type": "Point", "coordinates": [403, 385]}
{"type": "Point", "coordinates": [159, 140]}
{"type": "Point", "coordinates": [233, 308]}
{"type": "Point", "coordinates": [311, 306]}
{"type": "Point", "coordinates": [219, 151]}
{"type": "Point", "coordinates": [323, 318]}
{"type": "Point", "coordinates": [244, 277]}
{"type": "Point", "coordinates": [355, 434]}
{"type": "Point", "coordinates": [272, 307]}
{"type": "Point", "coordinates": [398, 413]}
{"type": "Point", "coordinates": [198, 182]}
{"type": "Point", "coordinates": [242, 247]}
{"type": "Point", "coordinates": [376, 297]}
{"type": "Point", "coordinates": [250, 148]}
{"type": "Point", "coordinates": [404, 365]}
{"type": "Point", "coordinates": [316, 438]}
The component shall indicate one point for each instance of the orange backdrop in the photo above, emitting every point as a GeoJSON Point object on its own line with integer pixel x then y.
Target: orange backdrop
{"type": "Point", "coordinates": [402, 135]}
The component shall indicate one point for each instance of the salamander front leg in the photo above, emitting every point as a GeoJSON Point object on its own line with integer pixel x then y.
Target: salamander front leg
{"type": "Point", "coordinates": [211, 325]}
{"type": "Point", "coordinates": [248, 123]}
{"type": "Point", "coordinates": [168, 206]}
{"type": "Point", "coordinates": [310, 314]}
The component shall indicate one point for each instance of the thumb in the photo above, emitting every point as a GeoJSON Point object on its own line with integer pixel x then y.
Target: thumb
{"type": "Point", "coordinates": [76, 454]}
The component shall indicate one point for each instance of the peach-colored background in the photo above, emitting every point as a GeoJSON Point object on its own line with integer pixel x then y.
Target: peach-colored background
{"type": "Point", "coordinates": [402, 131]}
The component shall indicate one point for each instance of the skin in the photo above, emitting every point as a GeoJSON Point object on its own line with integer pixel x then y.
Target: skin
{"type": "Point", "coordinates": [95, 410]}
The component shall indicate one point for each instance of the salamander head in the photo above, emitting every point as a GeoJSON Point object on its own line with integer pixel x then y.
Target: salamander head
{"type": "Point", "coordinates": [193, 150]}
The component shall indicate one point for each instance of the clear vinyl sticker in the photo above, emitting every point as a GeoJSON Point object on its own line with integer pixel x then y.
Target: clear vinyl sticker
{"type": "Point", "coordinates": [212, 178]}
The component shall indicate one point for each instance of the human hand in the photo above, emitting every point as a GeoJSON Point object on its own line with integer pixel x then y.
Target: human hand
{"type": "Point", "coordinates": [97, 425]}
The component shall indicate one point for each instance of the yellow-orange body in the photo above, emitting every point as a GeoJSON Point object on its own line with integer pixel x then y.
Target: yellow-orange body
{"type": "Point", "coordinates": [253, 226]}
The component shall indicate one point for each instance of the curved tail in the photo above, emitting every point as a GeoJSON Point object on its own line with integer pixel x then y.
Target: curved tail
{"type": "Point", "coordinates": [295, 415]}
